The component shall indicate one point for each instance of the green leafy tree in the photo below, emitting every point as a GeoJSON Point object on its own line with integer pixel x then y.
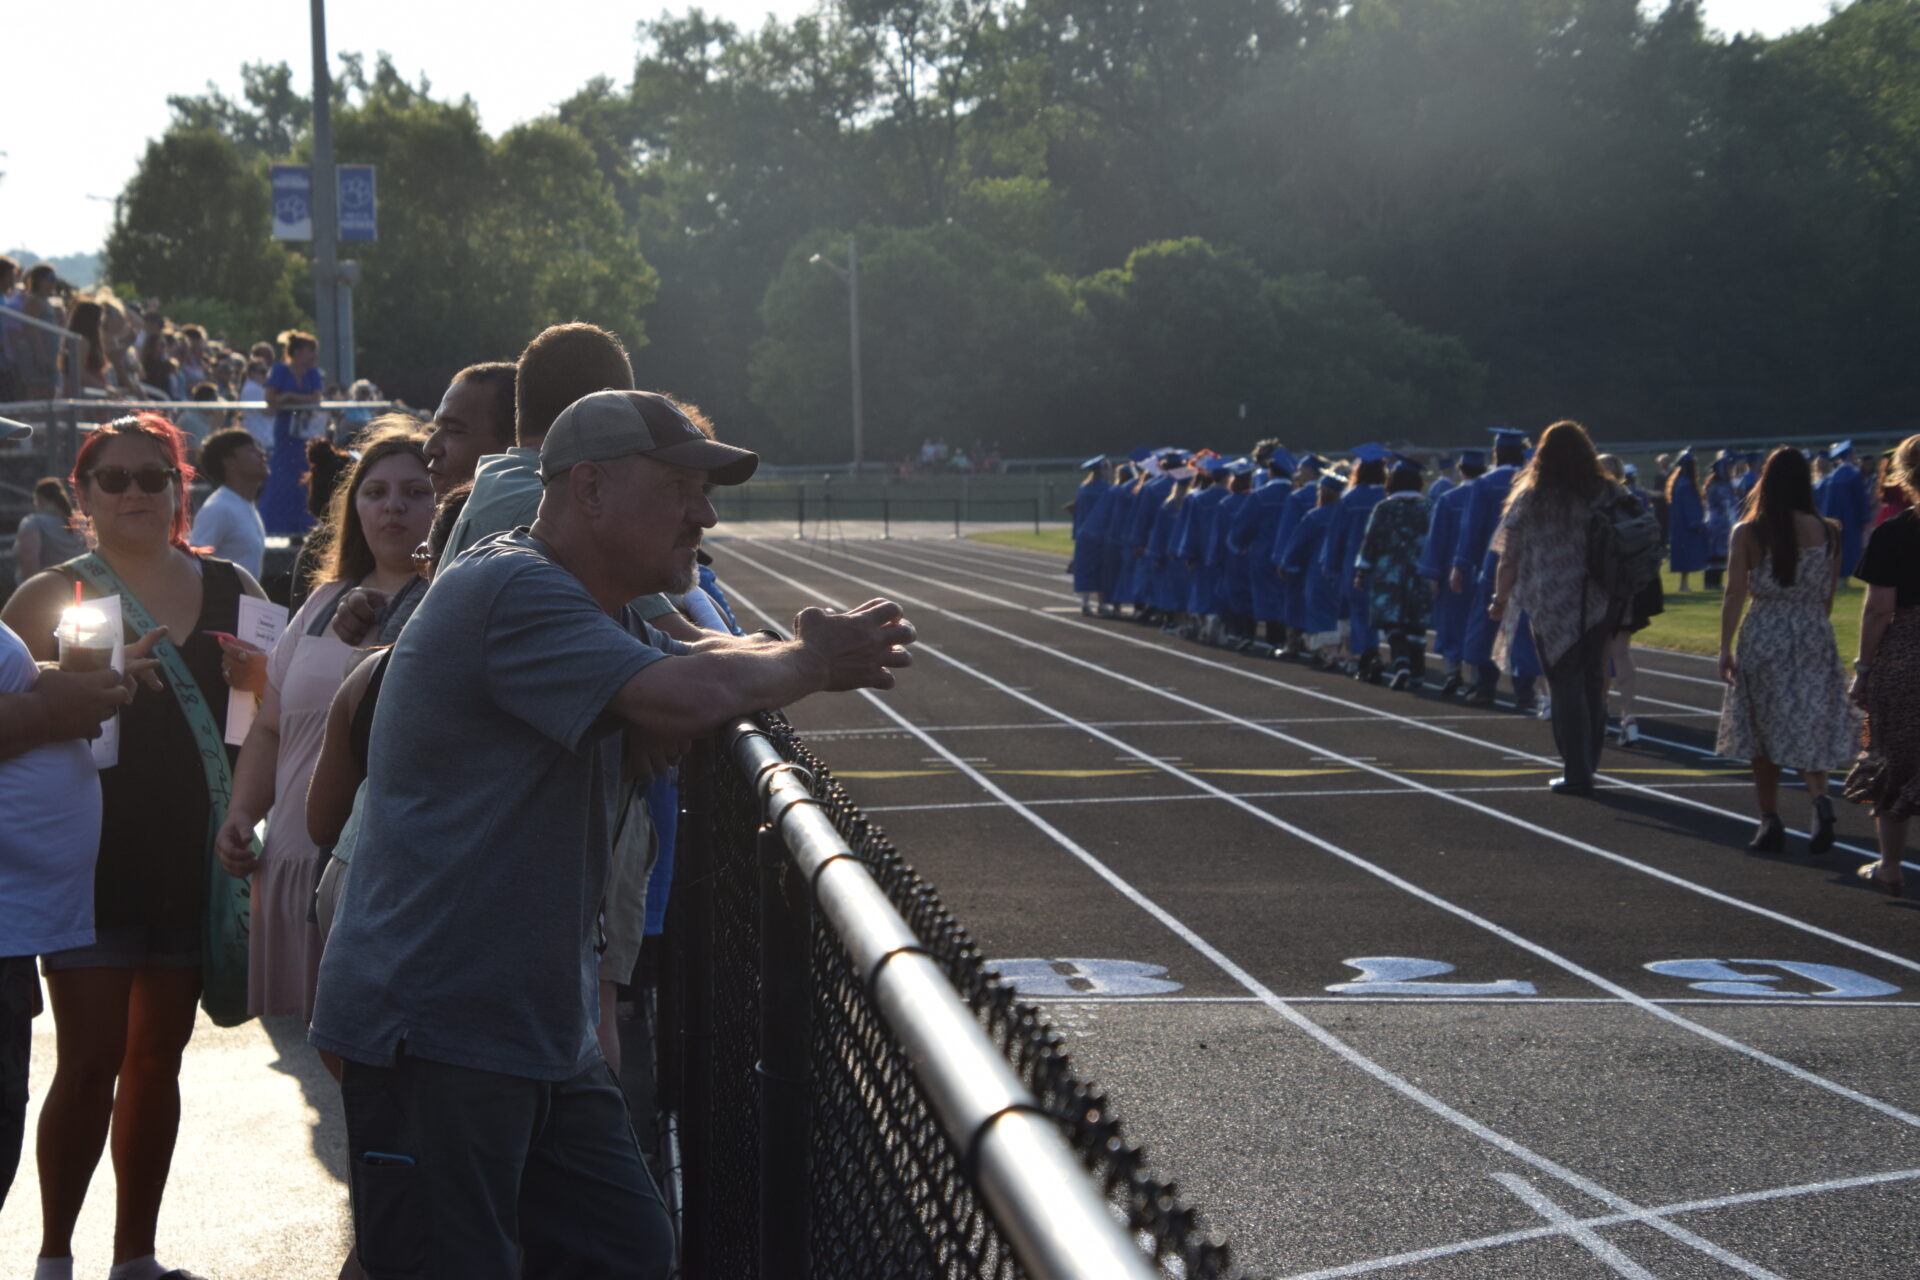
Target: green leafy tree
{"type": "Point", "coordinates": [195, 221]}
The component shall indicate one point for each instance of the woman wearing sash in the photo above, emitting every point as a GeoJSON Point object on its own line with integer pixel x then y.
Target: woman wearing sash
{"type": "Point", "coordinates": [123, 1007]}
{"type": "Point", "coordinates": [378, 516]}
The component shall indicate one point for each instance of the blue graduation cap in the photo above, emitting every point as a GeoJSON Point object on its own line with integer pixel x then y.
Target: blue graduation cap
{"type": "Point", "coordinates": [1685, 455]}
{"type": "Point", "coordinates": [1217, 466]}
{"type": "Point", "coordinates": [1283, 461]}
{"type": "Point", "coordinates": [1140, 455]}
{"type": "Point", "coordinates": [1313, 460]}
{"type": "Point", "coordinates": [1840, 450]}
{"type": "Point", "coordinates": [1240, 467]}
{"type": "Point", "coordinates": [1442, 461]}
{"type": "Point", "coordinates": [1473, 458]}
{"type": "Point", "coordinates": [1124, 473]}
{"type": "Point", "coordinates": [1370, 452]}
{"type": "Point", "coordinates": [1332, 483]}
{"type": "Point", "coordinates": [1755, 457]}
{"type": "Point", "coordinates": [1507, 437]}
{"type": "Point", "coordinates": [1097, 460]}
{"type": "Point", "coordinates": [1182, 472]}
{"type": "Point", "coordinates": [1407, 466]}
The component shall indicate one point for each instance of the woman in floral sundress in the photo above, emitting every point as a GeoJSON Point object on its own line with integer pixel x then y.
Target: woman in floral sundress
{"type": "Point", "coordinates": [1786, 701]}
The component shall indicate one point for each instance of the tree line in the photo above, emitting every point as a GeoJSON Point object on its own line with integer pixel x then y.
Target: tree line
{"type": "Point", "coordinates": [1088, 223]}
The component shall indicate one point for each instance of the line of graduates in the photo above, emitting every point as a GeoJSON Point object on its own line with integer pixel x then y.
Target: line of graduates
{"type": "Point", "coordinates": [1700, 515]}
{"type": "Point", "coordinates": [1302, 558]}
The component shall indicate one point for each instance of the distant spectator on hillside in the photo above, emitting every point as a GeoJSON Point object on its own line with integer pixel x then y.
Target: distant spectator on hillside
{"type": "Point", "coordinates": [228, 523]}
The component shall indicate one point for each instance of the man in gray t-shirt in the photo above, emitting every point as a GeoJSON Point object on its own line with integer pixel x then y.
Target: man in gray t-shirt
{"type": "Point", "coordinates": [459, 984]}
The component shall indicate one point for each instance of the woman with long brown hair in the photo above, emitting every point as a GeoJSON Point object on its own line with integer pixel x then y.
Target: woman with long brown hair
{"type": "Point", "coordinates": [1542, 543]}
{"type": "Point", "coordinates": [1786, 699]}
{"type": "Point", "coordinates": [1887, 684]}
{"type": "Point", "coordinates": [379, 515]}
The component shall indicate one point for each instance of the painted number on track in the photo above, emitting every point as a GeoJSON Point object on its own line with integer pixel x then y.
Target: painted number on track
{"type": "Point", "coordinates": [1720, 978]}
{"type": "Point", "coordinates": [1077, 977]}
{"type": "Point", "coordinates": [1407, 976]}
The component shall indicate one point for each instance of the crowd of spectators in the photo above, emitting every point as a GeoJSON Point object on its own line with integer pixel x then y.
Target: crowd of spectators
{"type": "Point", "coordinates": [503, 638]}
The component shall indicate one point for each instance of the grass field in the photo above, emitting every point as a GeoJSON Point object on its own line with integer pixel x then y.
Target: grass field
{"type": "Point", "coordinates": [1691, 622]}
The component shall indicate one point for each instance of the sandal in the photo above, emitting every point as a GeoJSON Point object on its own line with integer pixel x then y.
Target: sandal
{"type": "Point", "coordinates": [1869, 874]}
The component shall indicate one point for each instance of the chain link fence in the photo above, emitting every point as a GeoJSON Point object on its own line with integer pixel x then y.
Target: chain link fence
{"type": "Point", "coordinates": [823, 1129]}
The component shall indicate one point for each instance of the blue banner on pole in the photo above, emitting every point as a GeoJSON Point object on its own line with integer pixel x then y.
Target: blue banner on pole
{"type": "Point", "coordinates": [358, 207]}
{"type": "Point", "coordinates": [292, 202]}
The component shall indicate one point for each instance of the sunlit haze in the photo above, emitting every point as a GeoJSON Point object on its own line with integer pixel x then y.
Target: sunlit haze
{"type": "Point", "coordinates": [62, 173]}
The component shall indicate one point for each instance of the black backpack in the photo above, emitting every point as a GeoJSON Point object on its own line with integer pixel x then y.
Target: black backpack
{"type": "Point", "coordinates": [1624, 546]}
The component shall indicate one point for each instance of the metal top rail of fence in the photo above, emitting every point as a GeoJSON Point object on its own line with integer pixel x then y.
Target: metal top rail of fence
{"type": "Point", "coordinates": [857, 1093]}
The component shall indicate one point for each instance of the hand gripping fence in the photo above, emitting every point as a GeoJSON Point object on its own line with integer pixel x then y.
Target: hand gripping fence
{"type": "Point", "coordinates": [857, 1095]}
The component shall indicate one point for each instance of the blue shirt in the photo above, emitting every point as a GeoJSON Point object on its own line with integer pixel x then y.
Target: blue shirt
{"type": "Point", "coordinates": [467, 930]}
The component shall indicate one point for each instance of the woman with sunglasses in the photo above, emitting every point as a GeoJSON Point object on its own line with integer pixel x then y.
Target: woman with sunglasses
{"type": "Point", "coordinates": [123, 1007]}
{"type": "Point", "coordinates": [378, 516]}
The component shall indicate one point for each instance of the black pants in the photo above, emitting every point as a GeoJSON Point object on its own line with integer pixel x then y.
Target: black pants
{"type": "Point", "coordinates": [1577, 683]}
{"type": "Point", "coordinates": [19, 1002]}
{"type": "Point", "coordinates": [457, 1173]}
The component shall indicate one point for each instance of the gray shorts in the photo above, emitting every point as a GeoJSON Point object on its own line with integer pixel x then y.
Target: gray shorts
{"type": "Point", "coordinates": [139, 946]}
{"type": "Point", "coordinates": [326, 897]}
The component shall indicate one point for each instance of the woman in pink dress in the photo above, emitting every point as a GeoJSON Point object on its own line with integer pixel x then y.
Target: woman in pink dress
{"type": "Point", "coordinates": [379, 515]}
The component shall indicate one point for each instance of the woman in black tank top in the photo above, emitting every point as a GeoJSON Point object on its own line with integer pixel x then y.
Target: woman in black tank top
{"type": "Point", "coordinates": [124, 1007]}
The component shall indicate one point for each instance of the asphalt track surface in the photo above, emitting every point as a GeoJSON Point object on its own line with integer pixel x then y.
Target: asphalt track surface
{"type": "Point", "coordinates": [1376, 999]}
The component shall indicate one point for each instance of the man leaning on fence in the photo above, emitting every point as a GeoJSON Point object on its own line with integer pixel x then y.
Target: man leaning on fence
{"type": "Point", "coordinates": [487, 1138]}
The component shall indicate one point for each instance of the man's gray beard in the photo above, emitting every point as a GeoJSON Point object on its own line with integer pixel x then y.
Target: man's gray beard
{"type": "Point", "coordinates": [681, 583]}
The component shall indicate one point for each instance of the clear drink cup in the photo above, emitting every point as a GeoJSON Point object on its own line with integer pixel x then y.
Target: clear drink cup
{"type": "Point", "coordinates": [86, 639]}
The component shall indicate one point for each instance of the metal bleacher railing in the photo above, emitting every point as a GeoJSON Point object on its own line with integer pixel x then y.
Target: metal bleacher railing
{"type": "Point", "coordinates": [856, 1093]}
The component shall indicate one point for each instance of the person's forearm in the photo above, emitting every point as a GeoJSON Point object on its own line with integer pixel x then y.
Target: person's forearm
{"type": "Point", "coordinates": [23, 723]}
{"type": "Point", "coordinates": [1730, 607]}
{"type": "Point", "coordinates": [1873, 626]}
{"type": "Point", "coordinates": [1504, 578]}
{"type": "Point", "coordinates": [253, 776]}
{"type": "Point", "coordinates": [684, 697]}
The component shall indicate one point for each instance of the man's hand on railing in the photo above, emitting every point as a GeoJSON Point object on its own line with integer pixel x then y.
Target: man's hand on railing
{"type": "Point", "coordinates": [860, 647]}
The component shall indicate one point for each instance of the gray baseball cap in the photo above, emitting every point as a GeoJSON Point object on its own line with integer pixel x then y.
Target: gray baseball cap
{"type": "Point", "coordinates": [619, 424]}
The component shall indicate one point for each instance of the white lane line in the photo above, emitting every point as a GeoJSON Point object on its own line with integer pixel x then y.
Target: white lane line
{"type": "Point", "coordinates": [1744, 1001]}
{"type": "Point", "coordinates": [972, 573]}
{"type": "Point", "coordinates": [1675, 675]}
{"type": "Point", "coordinates": [1378, 713]}
{"type": "Point", "coordinates": [1609, 1220]}
{"type": "Point", "coordinates": [1245, 795]}
{"type": "Point", "coordinates": [855, 732]}
{"type": "Point", "coordinates": [1584, 1236]}
{"type": "Point", "coordinates": [1253, 985]}
{"type": "Point", "coordinates": [1545, 833]}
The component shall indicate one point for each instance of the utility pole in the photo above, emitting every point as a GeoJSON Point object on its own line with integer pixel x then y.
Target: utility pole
{"type": "Point", "coordinates": [851, 274]}
{"type": "Point", "coordinates": [326, 205]}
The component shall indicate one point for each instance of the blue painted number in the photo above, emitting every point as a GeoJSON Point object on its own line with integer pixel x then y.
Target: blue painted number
{"type": "Point", "coordinates": [1035, 977]}
{"type": "Point", "coordinates": [1404, 976]}
{"type": "Point", "coordinates": [1720, 978]}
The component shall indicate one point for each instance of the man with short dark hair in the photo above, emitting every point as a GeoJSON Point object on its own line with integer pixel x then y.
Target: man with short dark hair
{"type": "Point", "coordinates": [228, 521]}
{"type": "Point", "coordinates": [486, 1137]}
{"type": "Point", "coordinates": [475, 418]}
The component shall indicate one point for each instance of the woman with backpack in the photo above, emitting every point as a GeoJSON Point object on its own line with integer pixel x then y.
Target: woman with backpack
{"type": "Point", "coordinates": [1543, 541]}
{"type": "Point", "coordinates": [1786, 699]}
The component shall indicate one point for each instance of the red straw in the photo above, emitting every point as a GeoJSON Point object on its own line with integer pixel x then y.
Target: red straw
{"type": "Point", "coordinates": [76, 593]}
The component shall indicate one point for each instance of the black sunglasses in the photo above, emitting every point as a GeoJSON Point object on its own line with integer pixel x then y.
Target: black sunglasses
{"type": "Point", "coordinates": [116, 479]}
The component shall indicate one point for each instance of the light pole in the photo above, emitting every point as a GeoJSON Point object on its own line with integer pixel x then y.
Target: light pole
{"type": "Point", "coordinates": [851, 274]}
{"type": "Point", "coordinates": [325, 204]}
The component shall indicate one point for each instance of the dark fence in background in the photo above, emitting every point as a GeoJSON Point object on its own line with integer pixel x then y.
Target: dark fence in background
{"type": "Point", "coordinates": [857, 1094]}
{"type": "Point", "coordinates": [814, 509]}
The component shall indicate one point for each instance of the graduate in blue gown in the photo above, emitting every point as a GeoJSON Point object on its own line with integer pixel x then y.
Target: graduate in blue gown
{"type": "Point", "coordinates": [1149, 498]}
{"type": "Point", "coordinates": [1320, 596]}
{"type": "Point", "coordinates": [1205, 580]}
{"type": "Point", "coordinates": [1305, 496]}
{"type": "Point", "coordinates": [1686, 519]}
{"type": "Point", "coordinates": [1848, 499]}
{"type": "Point", "coordinates": [1234, 601]}
{"type": "Point", "coordinates": [1366, 488]}
{"type": "Point", "coordinates": [1474, 567]}
{"type": "Point", "coordinates": [1443, 483]}
{"type": "Point", "coordinates": [1112, 509]}
{"type": "Point", "coordinates": [1436, 562]}
{"type": "Point", "coordinates": [1387, 571]}
{"type": "Point", "coordinates": [1168, 573]}
{"type": "Point", "coordinates": [1744, 483]}
{"type": "Point", "coordinates": [1723, 512]}
{"type": "Point", "coordinates": [1088, 501]}
{"type": "Point", "coordinates": [1250, 538]}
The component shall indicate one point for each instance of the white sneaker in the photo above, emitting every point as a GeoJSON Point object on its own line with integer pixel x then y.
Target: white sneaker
{"type": "Point", "coordinates": [1545, 711]}
{"type": "Point", "coordinates": [1629, 731]}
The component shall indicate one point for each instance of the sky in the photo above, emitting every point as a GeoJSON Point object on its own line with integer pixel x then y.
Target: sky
{"type": "Point", "coordinates": [60, 176]}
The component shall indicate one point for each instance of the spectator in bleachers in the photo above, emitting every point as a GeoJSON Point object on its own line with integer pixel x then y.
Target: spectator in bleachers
{"type": "Point", "coordinates": [124, 1004]}
{"type": "Point", "coordinates": [9, 301]}
{"type": "Point", "coordinates": [156, 365]}
{"type": "Point", "coordinates": [87, 321]}
{"type": "Point", "coordinates": [380, 513]}
{"type": "Point", "coordinates": [192, 356]}
{"type": "Point", "coordinates": [198, 424]}
{"type": "Point", "coordinates": [354, 420]}
{"type": "Point", "coordinates": [253, 388]}
{"type": "Point", "coordinates": [32, 352]}
{"type": "Point", "coordinates": [228, 524]}
{"type": "Point", "coordinates": [49, 534]}
{"type": "Point", "coordinates": [293, 386]}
